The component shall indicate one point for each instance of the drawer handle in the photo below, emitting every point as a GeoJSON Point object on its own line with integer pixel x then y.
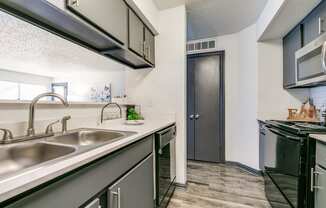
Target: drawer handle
{"type": "Point", "coordinates": [118, 194]}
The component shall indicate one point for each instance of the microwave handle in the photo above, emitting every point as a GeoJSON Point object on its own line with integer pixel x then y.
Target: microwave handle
{"type": "Point", "coordinates": [323, 56]}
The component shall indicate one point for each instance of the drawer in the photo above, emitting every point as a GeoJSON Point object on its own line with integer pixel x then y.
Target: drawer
{"type": "Point", "coordinates": [321, 153]}
{"type": "Point", "coordinates": [78, 187]}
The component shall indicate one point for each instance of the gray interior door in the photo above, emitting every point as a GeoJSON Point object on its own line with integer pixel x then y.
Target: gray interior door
{"type": "Point", "coordinates": [206, 102]}
{"type": "Point", "coordinates": [191, 109]}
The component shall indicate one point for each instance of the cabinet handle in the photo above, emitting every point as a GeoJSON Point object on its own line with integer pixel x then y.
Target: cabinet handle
{"type": "Point", "coordinates": [75, 3]}
{"type": "Point", "coordinates": [323, 56]}
{"type": "Point", "coordinates": [312, 180]}
{"type": "Point", "coordinates": [191, 117]}
{"type": "Point", "coordinates": [118, 194]}
{"type": "Point", "coordinates": [197, 116]}
{"type": "Point", "coordinates": [320, 25]}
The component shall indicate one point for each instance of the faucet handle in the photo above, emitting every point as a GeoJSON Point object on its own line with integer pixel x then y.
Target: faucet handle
{"type": "Point", "coordinates": [64, 123]}
{"type": "Point", "coordinates": [7, 135]}
{"type": "Point", "coordinates": [49, 128]}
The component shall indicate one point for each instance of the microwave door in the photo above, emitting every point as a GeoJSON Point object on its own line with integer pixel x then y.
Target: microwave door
{"type": "Point", "coordinates": [310, 63]}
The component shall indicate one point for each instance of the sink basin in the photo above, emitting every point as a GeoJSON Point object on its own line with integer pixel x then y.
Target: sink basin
{"type": "Point", "coordinates": [22, 156]}
{"type": "Point", "coordinates": [86, 137]}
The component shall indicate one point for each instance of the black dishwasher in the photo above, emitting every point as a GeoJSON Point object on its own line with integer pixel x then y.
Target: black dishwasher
{"type": "Point", "coordinates": [165, 165]}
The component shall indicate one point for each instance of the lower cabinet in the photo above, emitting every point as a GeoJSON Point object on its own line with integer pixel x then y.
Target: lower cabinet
{"type": "Point", "coordinates": [130, 170]}
{"type": "Point", "coordinates": [135, 189]}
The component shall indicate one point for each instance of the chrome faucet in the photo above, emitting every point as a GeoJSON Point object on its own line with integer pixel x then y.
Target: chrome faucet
{"type": "Point", "coordinates": [7, 135]}
{"type": "Point", "coordinates": [107, 105]}
{"type": "Point", "coordinates": [31, 130]}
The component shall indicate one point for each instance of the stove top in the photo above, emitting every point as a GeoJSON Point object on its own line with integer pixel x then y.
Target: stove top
{"type": "Point", "coordinates": [299, 127]}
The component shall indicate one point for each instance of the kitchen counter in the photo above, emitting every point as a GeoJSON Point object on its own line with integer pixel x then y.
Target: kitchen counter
{"type": "Point", "coordinates": [17, 184]}
{"type": "Point", "coordinates": [319, 137]}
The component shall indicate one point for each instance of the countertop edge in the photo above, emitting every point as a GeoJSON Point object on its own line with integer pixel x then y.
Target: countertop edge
{"type": "Point", "coordinates": [70, 164]}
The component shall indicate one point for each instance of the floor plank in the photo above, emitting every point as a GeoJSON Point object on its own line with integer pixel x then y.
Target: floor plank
{"type": "Point", "coordinates": [220, 186]}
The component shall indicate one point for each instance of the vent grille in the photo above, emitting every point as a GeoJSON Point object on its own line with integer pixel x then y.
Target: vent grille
{"type": "Point", "coordinates": [201, 46]}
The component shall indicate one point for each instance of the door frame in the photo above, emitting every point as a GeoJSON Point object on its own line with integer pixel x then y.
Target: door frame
{"type": "Point", "coordinates": [220, 54]}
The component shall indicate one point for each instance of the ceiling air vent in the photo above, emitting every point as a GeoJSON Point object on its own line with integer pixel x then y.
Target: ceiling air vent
{"type": "Point", "coordinates": [201, 46]}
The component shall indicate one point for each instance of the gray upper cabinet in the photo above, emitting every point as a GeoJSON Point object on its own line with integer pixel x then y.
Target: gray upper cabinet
{"type": "Point", "coordinates": [135, 189]}
{"type": "Point", "coordinates": [136, 34]}
{"type": "Point", "coordinates": [110, 16]}
{"type": "Point", "coordinates": [315, 23]}
{"type": "Point", "coordinates": [149, 46]}
{"type": "Point", "coordinates": [291, 43]}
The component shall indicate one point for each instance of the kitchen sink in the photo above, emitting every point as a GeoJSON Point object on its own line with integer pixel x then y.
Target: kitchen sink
{"type": "Point", "coordinates": [22, 156]}
{"type": "Point", "coordinates": [86, 137]}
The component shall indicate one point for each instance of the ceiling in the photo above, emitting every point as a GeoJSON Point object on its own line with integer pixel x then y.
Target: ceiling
{"type": "Point", "coordinates": [209, 18]}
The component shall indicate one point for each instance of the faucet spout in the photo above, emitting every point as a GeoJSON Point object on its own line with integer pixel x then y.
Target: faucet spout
{"type": "Point", "coordinates": [31, 130]}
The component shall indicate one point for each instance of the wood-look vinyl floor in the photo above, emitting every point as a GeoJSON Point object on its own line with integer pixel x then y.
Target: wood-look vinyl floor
{"type": "Point", "coordinates": [219, 186]}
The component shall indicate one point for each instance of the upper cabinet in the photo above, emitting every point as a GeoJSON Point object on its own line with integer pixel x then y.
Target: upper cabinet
{"type": "Point", "coordinates": [107, 27]}
{"type": "Point", "coordinates": [136, 34]}
{"type": "Point", "coordinates": [141, 39]}
{"type": "Point", "coordinates": [291, 43]}
{"type": "Point", "coordinates": [149, 46]}
{"type": "Point", "coordinates": [109, 16]}
{"type": "Point", "coordinates": [314, 24]}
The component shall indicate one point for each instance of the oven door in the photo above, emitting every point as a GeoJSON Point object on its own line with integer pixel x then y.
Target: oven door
{"type": "Point", "coordinates": [310, 63]}
{"type": "Point", "coordinates": [282, 164]}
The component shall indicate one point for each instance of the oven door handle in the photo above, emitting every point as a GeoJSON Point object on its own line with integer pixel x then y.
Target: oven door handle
{"type": "Point", "coordinates": [283, 135]}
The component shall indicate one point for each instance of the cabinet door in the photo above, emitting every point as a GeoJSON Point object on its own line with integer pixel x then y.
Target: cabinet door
{"type": "Point", "coordinates": [315, 23]}
{"type": "Point", "coordinates": [94, 204]}
{"type": "Point", "coordinates": [135, 189]}
{"type": "Point", "coordinates": [149, 50]}
{"type": "Point", "coordinates": [320, 191]}
{"type": "Point", "coordinates": [291, 43]}
{"type": "Point", "coordinates": [136, 34]}
{"type": "Point", "coordinates": [108, 15]}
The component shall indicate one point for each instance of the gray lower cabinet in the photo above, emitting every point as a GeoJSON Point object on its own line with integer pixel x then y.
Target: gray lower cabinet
{"type": "Point", "coordinates": [94, 204]}
{"type": "Point", "coordinates": [320, 190]}
{"type": "Point", "coordinates": [315, 23]}
{"type": "Point", "coordinates": [81, 187]}
{"type": "Point", "coordinates": [108, 15]}
{"type": "Point", "coordinates": [149, 46]}
{"type": "Point", "coordinates": [135, 189]}
{"type": "Point", "coordinates": [136, 34]}
{"type": "Point", "coordinates": [291, 43]}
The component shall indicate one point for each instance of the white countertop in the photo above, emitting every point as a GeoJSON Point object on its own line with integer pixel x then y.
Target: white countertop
{"type": "Point", "coordinates": [12, 186]}
{"type": "Point", "coordinates": [319, 137]}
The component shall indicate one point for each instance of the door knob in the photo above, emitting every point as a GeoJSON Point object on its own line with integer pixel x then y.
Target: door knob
{"type": "Point", "coordinates": [191, 117]}
{"type": "Point", "coordinates": [197, 116]}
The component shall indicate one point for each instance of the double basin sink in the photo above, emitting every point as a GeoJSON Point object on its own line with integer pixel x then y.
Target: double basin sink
{"type": "Point", "coordinates": [21, 156]}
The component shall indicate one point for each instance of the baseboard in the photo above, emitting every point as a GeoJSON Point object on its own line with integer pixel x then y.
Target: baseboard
{"type": "Point", "coordinates": [245, 168]}
{"type": "Point", "coordinates": [181, 185]}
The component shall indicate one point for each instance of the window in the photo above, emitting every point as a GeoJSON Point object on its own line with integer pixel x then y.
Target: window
{"type": "Point", "coordinates": [22, 86]}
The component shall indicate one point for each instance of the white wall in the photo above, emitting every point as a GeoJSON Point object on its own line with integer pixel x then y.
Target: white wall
{"type": "Point", "coordinates": [162, 91]}
{"type": "Point", "coordinates": [253, 90]}
{"type": "Point", "coordinates": [29, 49]}
{"type": "Point", "coordinates": [246, 149]}
{"type": "Point", "coordinates": [273, 99]}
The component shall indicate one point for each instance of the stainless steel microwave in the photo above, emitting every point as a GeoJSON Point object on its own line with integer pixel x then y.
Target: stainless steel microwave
{"type": "Point", "coordinates": [310, 66]}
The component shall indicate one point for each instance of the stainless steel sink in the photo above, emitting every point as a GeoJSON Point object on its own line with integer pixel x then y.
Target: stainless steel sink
{"type": "Point", "coordinates": [22, 156]}
{"type": "Point", "coordinates": [86, 137]}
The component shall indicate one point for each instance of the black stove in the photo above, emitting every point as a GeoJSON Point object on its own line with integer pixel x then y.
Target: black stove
{"type": "Point", "coordinates": [287, 162]}
{"type": "Point", "coordinates": [298, 128]}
